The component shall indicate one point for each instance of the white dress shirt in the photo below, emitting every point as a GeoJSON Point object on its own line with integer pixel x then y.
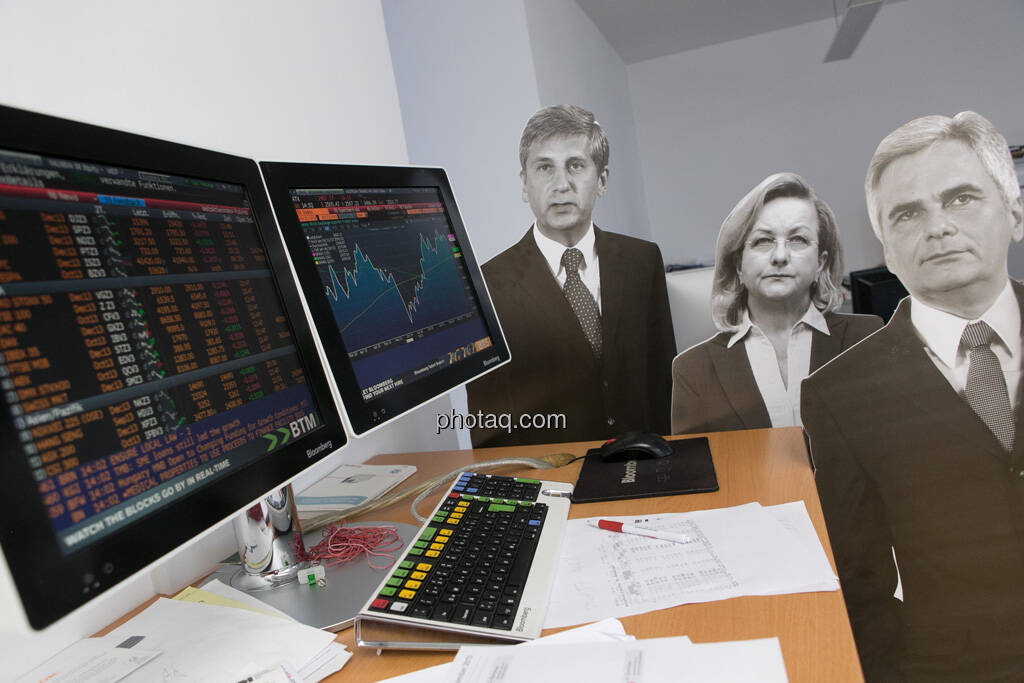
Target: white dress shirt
{"type": "Point", "coordinates": [782, 400]}
{"type": "Point", "coordinates": [941, 333]}
{"type": "Point", "coordinates": [589, 269]}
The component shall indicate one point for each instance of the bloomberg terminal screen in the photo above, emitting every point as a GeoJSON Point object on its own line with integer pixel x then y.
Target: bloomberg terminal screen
{"type": "Point", "coordinates": [393, 273]}
{"type": "Point", "coordinates": [144, 351]}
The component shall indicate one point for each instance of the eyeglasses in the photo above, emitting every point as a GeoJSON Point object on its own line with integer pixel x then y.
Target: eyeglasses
{"type": "Point", "coordinates": [765, 244]}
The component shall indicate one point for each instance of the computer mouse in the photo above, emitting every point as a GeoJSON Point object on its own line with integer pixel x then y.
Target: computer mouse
{"type": "Point", "coordinates": [634, 446]}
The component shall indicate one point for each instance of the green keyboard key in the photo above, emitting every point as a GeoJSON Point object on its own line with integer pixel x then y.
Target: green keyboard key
{"type": "Point", "coordinates": [428, 533]}
{"type": "Point", "coordinates": [501, 508]}
{"type": "Point", "coordinates": [527, 481]}
{"type": "Point", "coordinates": [407, 564]}
{"type": "Point", "coordinates": [388, 592]}
{"type": "Point", "coordinates": [394, 582]}
{"type": "Point", "coordinates": [401, 573]}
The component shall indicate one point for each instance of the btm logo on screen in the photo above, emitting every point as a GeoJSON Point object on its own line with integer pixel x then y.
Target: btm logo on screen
{"type": "Point", "coordinates": [280, 436]}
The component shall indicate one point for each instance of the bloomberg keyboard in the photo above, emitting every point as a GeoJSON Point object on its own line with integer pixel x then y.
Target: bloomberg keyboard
{"type": "Point", "coordinates": [482, 565]}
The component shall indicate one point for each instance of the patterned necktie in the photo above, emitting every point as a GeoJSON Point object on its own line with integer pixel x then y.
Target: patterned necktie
{"type": "Point", "coordinates": [986, 386]}
{"type": "Point", "coordinates": [581, 300]}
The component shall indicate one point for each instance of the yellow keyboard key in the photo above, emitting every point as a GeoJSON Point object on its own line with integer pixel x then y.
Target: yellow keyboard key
{"type": "Point", "coordinates": [437, 546]}
{"type": "Point", "coordinates": [445, 532]}
{"type": "Point", "coordinates": [442, 539]}
{"type": "Point", "coordinates": [432, 553]}
{"type": "Point", "coordinates": [407, 595]}
{"type": "Point", "coordinates": [418, 576]}
{"type": "Point", "coordinates": [412, 585]}
{"type": "Point", "coordinates": [424, 567]}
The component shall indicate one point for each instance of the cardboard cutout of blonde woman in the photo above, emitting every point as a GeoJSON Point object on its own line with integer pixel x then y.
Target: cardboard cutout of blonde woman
{"type": "Point", "coordinates": [916, 432]}
{"type": "Point", "coordinates": [776, 288]}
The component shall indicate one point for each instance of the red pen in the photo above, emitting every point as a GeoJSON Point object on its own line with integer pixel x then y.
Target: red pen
{"type": "Point", "coordinates": [622, 528]}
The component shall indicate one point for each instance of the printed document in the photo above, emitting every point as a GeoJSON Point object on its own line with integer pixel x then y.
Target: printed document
{"type": "Point", "coordinates": [743, 550]}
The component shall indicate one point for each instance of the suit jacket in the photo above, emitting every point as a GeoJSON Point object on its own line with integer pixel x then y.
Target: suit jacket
{"type": "Point", "coordinates": [903, 462]}
{"type": "Point", "coordinates": [554, 371]}
{"type": "Point", "coordinates": [713, 386]}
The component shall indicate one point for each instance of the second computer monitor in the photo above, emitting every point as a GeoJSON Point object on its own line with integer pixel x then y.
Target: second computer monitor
{"type": "Point", "coordinates": [392, 284]}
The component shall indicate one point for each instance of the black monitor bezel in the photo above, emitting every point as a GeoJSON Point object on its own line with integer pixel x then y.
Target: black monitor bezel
{"type": "Point", "coordinates": [51, 584]}
{"type": "Point", "coordinates": [281, 177]}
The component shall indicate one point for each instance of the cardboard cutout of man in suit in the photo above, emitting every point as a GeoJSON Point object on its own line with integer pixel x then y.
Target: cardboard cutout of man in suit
{"type": "Point", "coordinates": [917, 432]}
{"type": "Point", "coordinates": [590, 334]}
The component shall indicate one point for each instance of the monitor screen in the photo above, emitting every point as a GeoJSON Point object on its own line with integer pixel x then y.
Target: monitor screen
{"type": "Point", "coordinates": [154, 375]}
{"type": "Point", "coordinates": [395, 291]}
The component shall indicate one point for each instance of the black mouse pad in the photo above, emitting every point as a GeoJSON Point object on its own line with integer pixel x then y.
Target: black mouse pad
{"type": "Point", "coordinates": [688, 469]}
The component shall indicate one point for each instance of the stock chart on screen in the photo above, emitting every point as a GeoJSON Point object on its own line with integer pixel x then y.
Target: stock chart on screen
{"type": "Point", "coordinates": [395, 279]}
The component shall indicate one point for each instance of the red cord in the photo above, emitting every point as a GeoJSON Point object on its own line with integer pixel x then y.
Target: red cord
{"type": "Point", "coordinates": [342, 544]}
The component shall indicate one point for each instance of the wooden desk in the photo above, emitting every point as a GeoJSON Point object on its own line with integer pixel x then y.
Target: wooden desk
{"type": "Point", "coordinates": [769, 466]}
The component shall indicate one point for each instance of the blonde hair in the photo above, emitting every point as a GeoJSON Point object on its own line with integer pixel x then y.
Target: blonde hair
{"type": "Point", "coordinates": [728, 295]}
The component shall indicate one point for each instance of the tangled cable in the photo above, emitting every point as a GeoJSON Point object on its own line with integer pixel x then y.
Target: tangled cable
{"type": "Point", "coordinates": [342, 544]}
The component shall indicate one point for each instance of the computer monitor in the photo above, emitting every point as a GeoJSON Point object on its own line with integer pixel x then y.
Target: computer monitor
{"type": "Point", "coordinates": [395, 292]}
{"type": "Point", "coordinates": [876, 291]}
{"type": "Point", "coordinates": [157, 371]}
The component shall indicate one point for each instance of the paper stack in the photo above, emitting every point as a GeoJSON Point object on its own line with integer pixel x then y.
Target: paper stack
{"type": "Point", "coordinates": [743, 550]}
{"type": "Point", "coordinates": [602, 652]}
{"type": "Point", "coordinates": [211, 634]}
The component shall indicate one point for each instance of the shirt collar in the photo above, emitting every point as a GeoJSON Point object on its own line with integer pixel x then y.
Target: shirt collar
{"type": "Point", "coordinates": [552, 251]}
{"type": "Point", "coordinates": [812, 317]}
{"type": "Point", "coordinates": [942, 331]}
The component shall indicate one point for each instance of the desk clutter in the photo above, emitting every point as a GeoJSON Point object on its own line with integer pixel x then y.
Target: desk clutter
{"type": "Point", "coordinates": [215, 633]}
{"type": "Point", "coordinates": [603, 652]}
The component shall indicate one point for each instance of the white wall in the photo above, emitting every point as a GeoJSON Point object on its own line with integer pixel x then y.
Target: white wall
{"type": "Point", "coordinates": [466, 86]}
{"type": "Point", "coordinates": [713, 122]}
{"type": "Point", "coordinates": [575, 64]}
{"type": "Point", "coordinates": [255, 78]}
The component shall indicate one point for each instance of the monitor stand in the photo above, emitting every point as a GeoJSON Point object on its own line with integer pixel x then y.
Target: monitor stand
{"type": "Point", "coordinates": [270, 541]}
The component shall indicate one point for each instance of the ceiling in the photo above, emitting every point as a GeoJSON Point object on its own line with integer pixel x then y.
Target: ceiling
{"type": "Point", "coordinates": [645, 29]}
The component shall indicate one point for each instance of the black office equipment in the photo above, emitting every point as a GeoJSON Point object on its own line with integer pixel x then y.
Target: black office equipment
{"type": "Point", "coordinates": [395, 292]}
{"type": "Point", "coordinates": [689, 469]}
{"type": "Point", "coordinates": [635, 446]}
{"type": "Point", "coordinates": [876, 291]}
{"type": "Point", "coordinates": [157, 372]}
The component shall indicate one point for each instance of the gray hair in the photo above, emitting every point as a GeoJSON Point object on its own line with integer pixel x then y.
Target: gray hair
{"type": "Point", "coordinates": [565, 120]}
{"type": "Point", "coordinates": [969, 127]}
{"type": "Point", "coordinates": [728, 295]}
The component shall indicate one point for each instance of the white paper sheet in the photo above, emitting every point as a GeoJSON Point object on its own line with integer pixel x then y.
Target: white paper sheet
{"type": "Point", "coordinates": [639, 661]}
{"type": "Point", "coordinates": [91, 660]}
{"type": "Point", "coordinates": [332, 659]}
{"type": "Point", "coordinates": [743, 550]}
{"type": "Point", "coordinates": [211, 643]}
{"type": "Point", "coordinates": [604, 631]}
